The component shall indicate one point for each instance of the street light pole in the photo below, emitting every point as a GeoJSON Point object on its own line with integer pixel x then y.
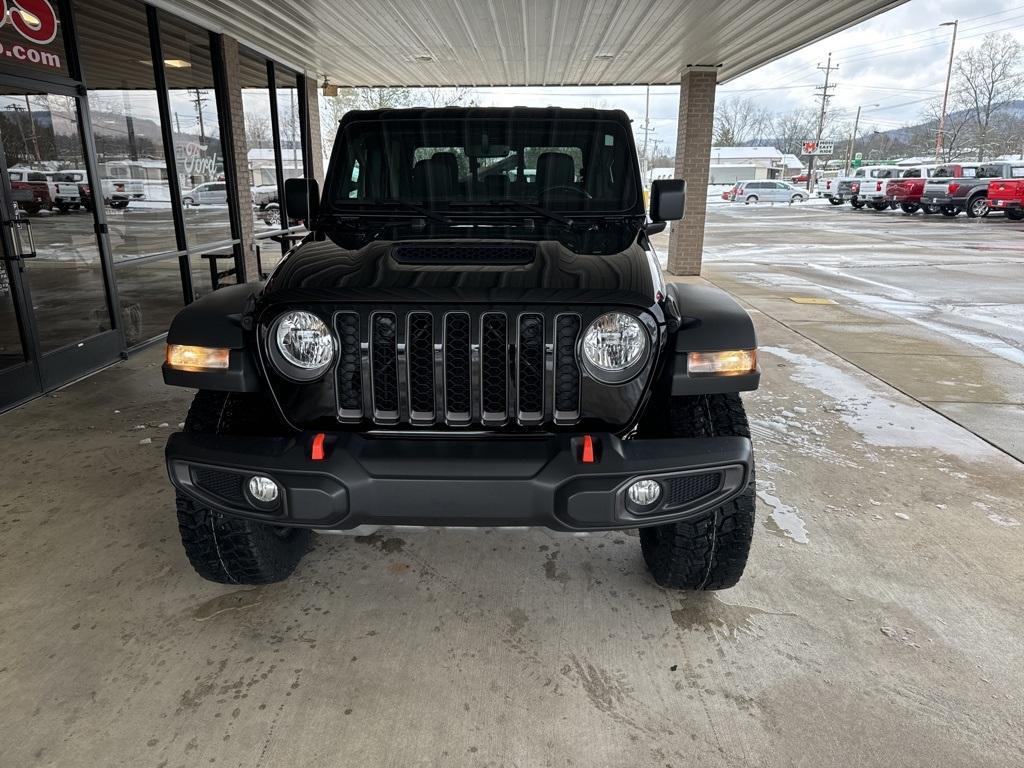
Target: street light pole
{"type": "Point", "coordinates": [945, 94]}
{"type": "Point", "coordinates": [853, 138]}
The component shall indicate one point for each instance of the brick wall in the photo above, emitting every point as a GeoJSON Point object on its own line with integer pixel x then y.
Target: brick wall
{"type": "Point", "coordinates": [315, 144]}
{"type": "Point", "coordinates": [693, 158]}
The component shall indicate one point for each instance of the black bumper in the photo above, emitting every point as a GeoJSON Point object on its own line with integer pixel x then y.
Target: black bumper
{"type": "Point", "coordinates": [487, 481]}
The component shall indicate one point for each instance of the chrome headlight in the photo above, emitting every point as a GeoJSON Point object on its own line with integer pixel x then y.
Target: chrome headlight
{"type": "Point", "coordinates": [301, 346]}
{"type": "Point", "coordinates": [614, 347]}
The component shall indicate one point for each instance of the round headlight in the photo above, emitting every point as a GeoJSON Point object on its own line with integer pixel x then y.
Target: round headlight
{"type": "Point", "coordinates": [304, 345]}
{"type": "Point", "coordinates": [614, 343]}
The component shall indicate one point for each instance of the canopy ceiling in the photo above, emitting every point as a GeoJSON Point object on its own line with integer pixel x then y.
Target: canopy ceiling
{"type": "Point", "coordinates": [524, 42]}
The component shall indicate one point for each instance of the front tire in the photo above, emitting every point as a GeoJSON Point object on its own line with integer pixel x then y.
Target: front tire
{"type": "Point", "coordinates": [835, 201]}
{"type": "Point", "coordinates": [858, 204]}
{"type": "Point", "coordinates": [909, 207]}
{"type": "Point", "coordinates": [230, 550]}
{"type": "Point", "coordinates": [708, 551]}
{"type": "Point", "coordinates": [751, 199]}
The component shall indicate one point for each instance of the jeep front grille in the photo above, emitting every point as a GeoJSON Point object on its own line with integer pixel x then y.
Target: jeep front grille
{"type": "Point", "coordinates": [458, 368]}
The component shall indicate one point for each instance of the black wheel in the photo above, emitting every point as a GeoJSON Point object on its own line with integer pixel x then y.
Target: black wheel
{"type": "Point", "coordinates": [232, 550]}
{"type": "Point", "coordinates": [881, 206]}
{"type": "Point", "coordinates": [858, 204]}
{"type": "Point", "coordinates": [835, 201]}
{"type": "Point", "coordinates": [929, 210]}
{"type": "Point", "coordinates": [909, 207]}
{"type": "Point", "coordinates": [949, 210]}
{"type": "Point", "coordinates": [63, 207]}
{"type": "Point", "coordinates": [751, 199]}
{"type": "Point", "coordinates": [118, 204]}
{"type": "Point", "coordinates": [977, 207]}
{"type": "Point", "coordinates": [1015, 214]}
{"type": "Point", "coordinates": [708, 551]}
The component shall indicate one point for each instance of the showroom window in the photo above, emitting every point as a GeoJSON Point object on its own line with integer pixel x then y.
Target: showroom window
{"type": "Point", "coordinates": [198, 154]}
{"type": "Point", "coordinates": [133, 181]}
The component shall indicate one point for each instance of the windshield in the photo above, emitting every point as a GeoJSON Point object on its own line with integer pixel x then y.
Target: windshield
{"type": "Point", "coordinates": [562, 165]}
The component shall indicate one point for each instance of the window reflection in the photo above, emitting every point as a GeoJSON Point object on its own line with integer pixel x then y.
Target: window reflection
{"type": "Point", "coordinates": [259, 139]}
{"type": "Point", "coordinates": [198, 155]}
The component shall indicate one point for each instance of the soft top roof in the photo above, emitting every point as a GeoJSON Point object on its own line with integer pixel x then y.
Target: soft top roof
{"type": "Point", "coordinates": [487, 113]}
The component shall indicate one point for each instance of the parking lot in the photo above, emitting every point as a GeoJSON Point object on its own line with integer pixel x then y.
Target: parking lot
{"type": "Point", "coordinates": [879, 622]}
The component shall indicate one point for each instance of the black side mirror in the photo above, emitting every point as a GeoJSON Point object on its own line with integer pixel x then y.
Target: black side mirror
{"type": "Point", "coordinates": [302, 199]}
{"type": "Point", "coordinates": [668, 199]}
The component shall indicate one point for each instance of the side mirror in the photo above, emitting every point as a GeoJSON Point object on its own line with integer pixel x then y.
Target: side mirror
{"type": "Point", "coordinates": [668, 199]}
{"type": "Point", "coordinates": [302, 199]}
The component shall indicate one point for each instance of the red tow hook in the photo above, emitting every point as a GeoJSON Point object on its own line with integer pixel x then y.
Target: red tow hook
{"type": "Point", "coordinates": [317, 453]}
{"type": "Point", "coordinates": [587, 455]}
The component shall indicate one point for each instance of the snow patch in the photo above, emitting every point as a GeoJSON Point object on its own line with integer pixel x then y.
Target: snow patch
{"type": "Point", "coordinates": [882, 422]}
{"type": "Point", "coordinates": [1003, 522]}
{"type": "Point", "coordinates": [784, 516]}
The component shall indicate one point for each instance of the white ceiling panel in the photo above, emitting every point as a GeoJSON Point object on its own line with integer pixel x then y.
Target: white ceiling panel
{"type": "Point", "coordinates": [524, 42]}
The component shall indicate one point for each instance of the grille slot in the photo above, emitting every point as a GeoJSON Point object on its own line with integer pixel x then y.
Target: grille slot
{"type": "Point", "coordinates": [384, 366]}
{"type": "Point", "coordinates": [494, 367]}
{"type": "Point", "coordinates": [567, 370]}
{"type": "Point", "coordinates": [530, 369]}
{"type": "Point", "coordinates": [350, 381]}
{"type": "Point", "coordinates": [419, 348]}
{"type": "Point", "coordinates": [458, 379]}
{"type": "Point", "coordinates": [226, 485]}
{"type": "Point", "coordinates": [683, 490]}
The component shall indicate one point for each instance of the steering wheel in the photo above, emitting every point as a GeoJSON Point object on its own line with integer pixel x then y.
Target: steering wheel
{"type": "Point", "coordinates": [567, 188]}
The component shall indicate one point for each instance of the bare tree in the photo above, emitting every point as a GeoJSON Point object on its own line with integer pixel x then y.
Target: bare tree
{"type": "Point", "coordinates": [450, 97]}
{"type": "Point", "coordinates": [790, 129]}
{"type": "Point", "coordinates": [257, 130]}
{"type": "Point", "coordinates": [957, 131]}
{"type": "Point", "coordinates": [740, 121]}
{"type": "Point", "coordinates": [987, 77]}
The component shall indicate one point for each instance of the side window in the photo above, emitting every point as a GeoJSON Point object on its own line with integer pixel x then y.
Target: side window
{"type": "Point", "coordinates": [1017, 172]}
{"type": "Point", "coordinates": [968, 172]}
{"type": "Point", "coordinates": [913, 173]}
{"type": "Point", "coordinates": [859, 174]}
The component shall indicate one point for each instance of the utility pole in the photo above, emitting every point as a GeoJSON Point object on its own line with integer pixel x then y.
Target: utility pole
{"type": "Point", "coordinates": [945, 94]}
{"type": "Point", "coordinates": [826, 94]}
{"type": "Point", "coordinates": [647, 130]}
{"type": "Point", "coordinates": [853, 138]}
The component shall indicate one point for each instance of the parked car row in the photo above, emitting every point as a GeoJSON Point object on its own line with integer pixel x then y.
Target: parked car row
{"type": "Point", "coordinates": [36, 190]}
{"type": "Point", "coordinates": [948, 189]}
{"type": "Point", "coordinates": [765, 191]}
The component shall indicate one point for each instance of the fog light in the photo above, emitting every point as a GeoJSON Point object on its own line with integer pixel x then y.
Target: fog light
{"type": "Point", "coordinates": [644, 492]}
{"type": "Point", "coordinates": [263, 489]}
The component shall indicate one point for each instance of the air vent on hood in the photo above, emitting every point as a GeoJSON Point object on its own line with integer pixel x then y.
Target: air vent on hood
{"type": "Point", "coordinates": [463, 253]}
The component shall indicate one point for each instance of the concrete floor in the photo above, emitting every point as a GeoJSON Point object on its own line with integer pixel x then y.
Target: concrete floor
{"type": "Point", "coordinates": [879, 622]}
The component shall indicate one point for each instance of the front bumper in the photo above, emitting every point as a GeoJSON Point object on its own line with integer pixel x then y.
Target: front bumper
{"type": "Point", "coordinates": [463, 481]}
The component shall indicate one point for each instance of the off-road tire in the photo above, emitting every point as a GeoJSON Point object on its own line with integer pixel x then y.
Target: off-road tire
{"type": "Point", "coordinates": [231, 550]}
{"type": "Point", "coordinates": [708, 551]}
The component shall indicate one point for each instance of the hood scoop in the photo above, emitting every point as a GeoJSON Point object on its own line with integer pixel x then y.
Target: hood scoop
{"type": "Point", "coordinates": [449, 254]}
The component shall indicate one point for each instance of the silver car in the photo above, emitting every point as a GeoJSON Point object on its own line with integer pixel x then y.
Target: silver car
{"type": "Point", "coordinates": [766, 191]}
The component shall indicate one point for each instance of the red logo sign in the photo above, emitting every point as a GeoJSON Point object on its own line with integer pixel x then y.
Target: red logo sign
{"type": "Point", "coordinates": [810, 147]}
{"type": "Point", "coordinates": [35, 20]}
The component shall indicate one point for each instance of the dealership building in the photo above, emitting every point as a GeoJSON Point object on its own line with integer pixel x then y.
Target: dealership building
{"type": "Point", "coordinates": [145, 146]}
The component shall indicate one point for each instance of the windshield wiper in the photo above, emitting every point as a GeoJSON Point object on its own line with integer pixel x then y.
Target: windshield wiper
{"type": "Point", "coordinates": [534, 209]}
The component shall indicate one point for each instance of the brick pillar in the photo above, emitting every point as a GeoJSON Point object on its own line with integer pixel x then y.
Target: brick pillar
{"type": "Point", "coordinates": [693, 159]}
{"type": "Point", "coordinates": [236, 152]}
{"type": "Point", "coordinates": [316, 148]}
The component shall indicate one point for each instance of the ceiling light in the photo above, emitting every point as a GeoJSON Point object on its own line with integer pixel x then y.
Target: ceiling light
{"type": "Point", "coordinates": [424, 58]}
{"type": "Point", "coordinates": [177, 63]}
{"type": "Point", "coordinates": [604, 56]}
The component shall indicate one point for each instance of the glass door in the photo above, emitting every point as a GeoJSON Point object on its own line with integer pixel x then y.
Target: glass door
{"type": "Point", "coordinates": [57, 304]}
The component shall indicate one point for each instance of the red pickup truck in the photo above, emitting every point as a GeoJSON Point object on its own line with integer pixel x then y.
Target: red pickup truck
{"type": "Point", "coordinates": [1007, 195]}
{"type": "Point", "coordinates": [906, 191]}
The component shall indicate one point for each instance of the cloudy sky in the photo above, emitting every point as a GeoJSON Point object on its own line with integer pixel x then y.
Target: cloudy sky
{"type": "Point", "coordinates": [896, 60]}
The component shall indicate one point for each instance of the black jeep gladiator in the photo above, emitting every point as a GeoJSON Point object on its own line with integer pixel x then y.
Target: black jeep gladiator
{"type": "Point", "coordinates": [475, 332]}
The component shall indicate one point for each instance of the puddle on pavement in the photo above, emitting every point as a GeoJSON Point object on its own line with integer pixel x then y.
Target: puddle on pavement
{"type": "Point", "coordinates": [784, 520]}
{"type": "Point", "coordinates": [233, 601]}
{"type": "Point", "coordinates": [709, 614]}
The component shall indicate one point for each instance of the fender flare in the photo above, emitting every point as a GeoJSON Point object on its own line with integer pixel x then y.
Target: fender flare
{"type": "Point", "coordinates": [216, 320]}
{"type": "Point", "coordinates": [710, 320]}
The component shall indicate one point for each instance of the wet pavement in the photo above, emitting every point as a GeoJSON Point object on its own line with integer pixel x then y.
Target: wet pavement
{"type": "Point", "coordinates": [878, 623]}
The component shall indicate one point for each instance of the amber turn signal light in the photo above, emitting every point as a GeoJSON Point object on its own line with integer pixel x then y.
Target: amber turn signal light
{"type": "Point", "coordinates": [729, 363]}
{"type": "Point", "coordinates": [187, 358]}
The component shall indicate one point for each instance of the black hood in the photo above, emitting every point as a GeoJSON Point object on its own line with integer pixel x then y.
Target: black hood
{"type": "Point", "coordinates": [470, 271]}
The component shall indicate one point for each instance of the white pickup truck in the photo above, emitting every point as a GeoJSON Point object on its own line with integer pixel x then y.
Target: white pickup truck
{"type": "Point", "coordinates": [866, 186]}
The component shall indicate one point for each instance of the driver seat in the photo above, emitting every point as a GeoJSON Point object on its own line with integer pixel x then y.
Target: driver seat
{"type": "Point", "coordinates": [555, 169]}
